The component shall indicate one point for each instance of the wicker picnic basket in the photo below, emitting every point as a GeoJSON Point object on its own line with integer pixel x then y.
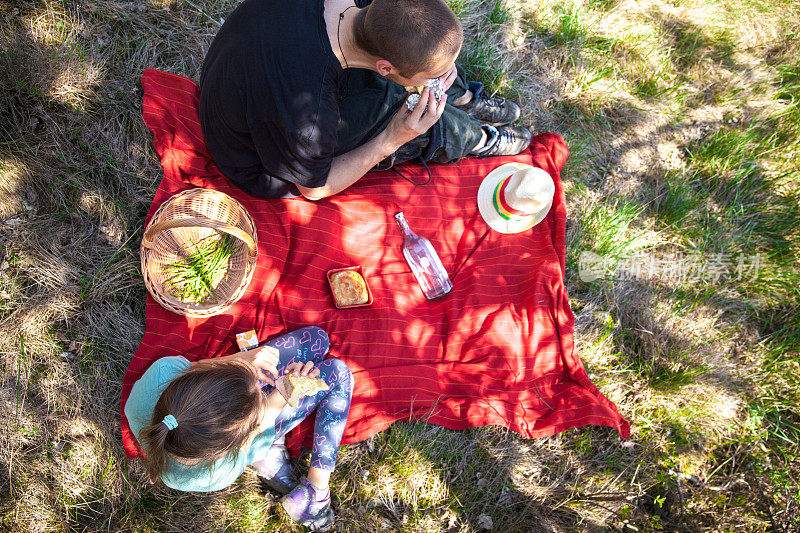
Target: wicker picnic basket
{"type": "Point", "coordinates": [185, 219]}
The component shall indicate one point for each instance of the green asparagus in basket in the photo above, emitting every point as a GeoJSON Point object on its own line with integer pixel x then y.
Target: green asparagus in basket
{"type": "Point", "coordinates": [194, 278]}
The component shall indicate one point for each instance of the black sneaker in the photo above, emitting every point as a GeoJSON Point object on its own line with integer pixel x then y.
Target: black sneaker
{"type": "Point", "coordinates": [505, 140]}
{"type": "Point", "coordinates": [488, 110]}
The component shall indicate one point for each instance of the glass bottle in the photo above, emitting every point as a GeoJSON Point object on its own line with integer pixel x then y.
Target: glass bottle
{"type": "Point", "coordinates": [424, 262]}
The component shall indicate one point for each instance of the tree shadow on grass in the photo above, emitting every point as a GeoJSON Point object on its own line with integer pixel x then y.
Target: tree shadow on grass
{"type": "Point", "coordinates": [493, 476]}
{"type": "Point", "coordinates": [612, 131]}
{"type": "Point", "coordinates": [691, 44]}
{"type": "Point", "coordinates": [446, 480]}
{"type": "Point", "coordinates": [79, 174]}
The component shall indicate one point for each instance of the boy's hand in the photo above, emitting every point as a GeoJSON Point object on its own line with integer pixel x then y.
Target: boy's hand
{"type": "Point", "coordinates": [407, 125]}
{"type": "Point", "coordinates": [448, 79]}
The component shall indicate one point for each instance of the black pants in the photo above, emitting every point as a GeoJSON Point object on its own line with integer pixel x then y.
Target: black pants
{"type": "Point", "coordinates": [369, 102]}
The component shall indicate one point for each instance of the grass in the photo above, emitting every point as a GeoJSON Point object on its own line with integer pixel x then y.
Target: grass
{"type": "Point", "coordinates": [683, 120]}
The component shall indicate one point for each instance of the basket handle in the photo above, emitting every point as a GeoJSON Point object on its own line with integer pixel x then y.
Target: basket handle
{"type": "Point", "coordinates": [152, 231]}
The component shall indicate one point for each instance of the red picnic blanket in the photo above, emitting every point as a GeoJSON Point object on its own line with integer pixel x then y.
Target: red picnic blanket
{"type": "Point", "coordinates": [497, 350]}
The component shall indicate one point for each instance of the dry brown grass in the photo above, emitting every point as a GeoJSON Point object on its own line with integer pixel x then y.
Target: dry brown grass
{"type": "Point", "coordinates": [634, 86]}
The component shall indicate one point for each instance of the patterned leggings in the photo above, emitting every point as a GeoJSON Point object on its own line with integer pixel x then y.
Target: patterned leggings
{"type": "Point", "coordinates": [311, 344]}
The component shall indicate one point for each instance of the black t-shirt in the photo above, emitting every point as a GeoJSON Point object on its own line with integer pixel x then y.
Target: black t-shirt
{"type": "Point", "coordinates": [269, 97]}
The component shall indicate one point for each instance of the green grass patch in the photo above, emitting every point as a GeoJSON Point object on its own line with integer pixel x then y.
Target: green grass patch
{"type": "Point", "coordinates": [409, 466]}
{"type": "Point", "coordinates": [459, 7]}
{"type": "Point", "coordinates": [675, 376]}
{"type": "Point", "coordinates": [665, 364]}
{"type": "Point", "coordinates": [250, 513]}
{"type": "Point", "coordinates": [677, 428]}
{"type": "Point", "coordinates": [603, 5]}
{"type": "Point", "coordinates": [480, 63]}
{"type": "Point", "coordinates": [726, 202]}
{"type": "Point", "coordinates": [589, 78]}
{"type": "Point", "coordinates": [570, 27]}
{"type": "Point", "coordinates": [777, 451]}
{"type": "Point", "coordinates": [609, 231]}
{"type": "Point", "coordinates": [692, 44]}
{"type": "Point", "coordinates": [789, 94]}
{"type": "Point", "coordinates": [499, 14]}
{"type": "Point", "coordinates": [654, 84]}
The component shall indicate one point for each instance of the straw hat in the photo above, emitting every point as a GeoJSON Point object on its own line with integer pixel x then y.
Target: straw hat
{"type": "Point", "coordinates": [515, 197]}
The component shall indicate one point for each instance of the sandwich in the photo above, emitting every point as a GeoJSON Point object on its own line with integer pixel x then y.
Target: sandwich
{"type": "Point", "coordinates": [298, 387]}
{"type": "Point", "coordinates": [435, 85]}
{"type": "Point", "coordinates": [418, 89]}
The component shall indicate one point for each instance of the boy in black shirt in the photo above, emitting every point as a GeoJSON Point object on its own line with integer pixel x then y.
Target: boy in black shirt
{"type": "Point", "coordinates": [305, 97]}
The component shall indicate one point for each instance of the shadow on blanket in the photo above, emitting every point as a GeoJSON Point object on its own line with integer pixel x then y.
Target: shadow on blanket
{"type": "Point", "coordinates": [497, 350]}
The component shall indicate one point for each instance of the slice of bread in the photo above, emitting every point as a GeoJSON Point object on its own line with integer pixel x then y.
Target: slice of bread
{"type": "Point", "coordinates": [349, 288]}
{"type": "Point", "coordinates": [298, 387]}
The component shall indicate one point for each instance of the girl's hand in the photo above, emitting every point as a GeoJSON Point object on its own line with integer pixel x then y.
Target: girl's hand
{"type": "Point", "coordinates": [300, 369]}
{"type": "Point", "coordinates": [296, 369]}
{"type": "Point", "coordinates": [265, 359]}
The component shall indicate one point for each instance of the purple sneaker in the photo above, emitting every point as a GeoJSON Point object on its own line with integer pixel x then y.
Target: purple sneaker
{"type": "Point", "coordinates": [303, 507]}
{"type": "Point", "coordinates": [276, 470]}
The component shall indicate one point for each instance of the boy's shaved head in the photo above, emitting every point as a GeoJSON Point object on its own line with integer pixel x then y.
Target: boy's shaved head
{"type": "Point", "coordinates": [413, 35]}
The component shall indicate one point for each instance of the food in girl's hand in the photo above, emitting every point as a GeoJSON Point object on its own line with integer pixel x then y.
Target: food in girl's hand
{"type": "Point", "coordinates": [349, 288]}
{"type": "Point", "coordinates": [298, 387]}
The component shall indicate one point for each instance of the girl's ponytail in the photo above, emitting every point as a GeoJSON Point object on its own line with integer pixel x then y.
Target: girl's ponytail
{"type": "Point", "coordinates": [154, 438]}
{"type": "Point", "coordinates": [210, 410]}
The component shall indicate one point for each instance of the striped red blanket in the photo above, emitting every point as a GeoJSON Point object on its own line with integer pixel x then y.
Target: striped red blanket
{"type": "Point", "coordinates": [497, 350]}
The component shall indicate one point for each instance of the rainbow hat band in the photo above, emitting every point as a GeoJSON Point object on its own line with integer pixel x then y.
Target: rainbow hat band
{"type": "Point", "coordinates": [515, 197]}
{"type": "Point", "coordinates": [502, 207]}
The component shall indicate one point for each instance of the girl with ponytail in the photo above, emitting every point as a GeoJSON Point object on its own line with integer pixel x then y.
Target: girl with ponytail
{"type": "Point", "coordinates": [200, 424]}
